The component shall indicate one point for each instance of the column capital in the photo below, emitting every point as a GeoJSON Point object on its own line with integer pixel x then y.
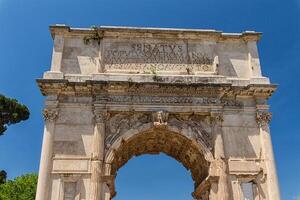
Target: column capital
{"type": "Point", "coordinates": [101, 116]}
{"type": "Point", "coordinates": [263, 118]}
{"type": "Point", "coordinates": [50, 114]}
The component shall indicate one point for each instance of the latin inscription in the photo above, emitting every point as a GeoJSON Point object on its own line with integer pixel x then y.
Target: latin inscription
{"type": "Point", "coordinates": [161, 56]}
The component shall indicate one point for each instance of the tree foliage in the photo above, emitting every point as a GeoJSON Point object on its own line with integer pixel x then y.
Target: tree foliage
{"type": "Point", "coordinates": [11, 112]}
{"type": "Point", "coordinates": [2, 176]}
{"type": "Point", "coordinates": [21, 188]}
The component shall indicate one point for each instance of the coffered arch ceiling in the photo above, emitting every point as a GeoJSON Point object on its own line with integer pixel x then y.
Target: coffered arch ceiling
{"type": "Point", "coordinates": [155, 141]}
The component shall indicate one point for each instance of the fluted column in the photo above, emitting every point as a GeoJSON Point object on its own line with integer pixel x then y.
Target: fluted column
{"type": "Point", "coordinates": [97, 155]}
{"type": "Point", "coordinates": [219, 167]}
{"type": "Point", "coordinates": [263, 118]}
{"type": "Point", "coordinates": [43, 185]}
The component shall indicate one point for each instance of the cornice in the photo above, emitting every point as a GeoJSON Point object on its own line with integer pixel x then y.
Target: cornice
{"type": "Point", "coordinates": [95, 88]}
{"type": "Point", "coordinates": [124, 32]}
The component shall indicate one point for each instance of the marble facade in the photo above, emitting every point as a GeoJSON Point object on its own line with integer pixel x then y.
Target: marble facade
{"type": "Point", "coordinates": [113, 93]}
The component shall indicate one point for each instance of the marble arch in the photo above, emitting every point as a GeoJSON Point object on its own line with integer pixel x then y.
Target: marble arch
{"type": "Point", "coordinates": [196, 95]}
{"type": "Point", "coordinates": [174, 141]}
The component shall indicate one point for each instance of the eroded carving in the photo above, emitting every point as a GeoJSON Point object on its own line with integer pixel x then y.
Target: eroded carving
{"type": "Point", "coordinates": [160, 140]}
{"type": "Point", "coordinates": [50, 114]}
{"type": "Point", "coordinates": [217, 118]}
{"type": "Point", "coordinates": [101, 116]}
{"type": "Point", "coordinates": [69, 190]}
{"type": "Point", "coordinates": [160, 118]}
{"type": "Point", "coordinates": [144, 56]}
{"type": "Point", "coordinates": [263, 118]}
{"type": "Point", "coordinates": [159, 100]}
{"type": "Point", "coordinates": [119, 123]}
{"type": "Point", "coordinates": [198, 126]}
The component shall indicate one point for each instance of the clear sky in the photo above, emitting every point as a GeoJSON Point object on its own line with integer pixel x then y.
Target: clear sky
{"type": "Point", "coordinates": [25, 52]}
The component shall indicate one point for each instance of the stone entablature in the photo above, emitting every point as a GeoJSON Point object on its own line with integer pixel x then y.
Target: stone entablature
{"type": "Point", "coordinates": [118, 92]}
{"type": "Point", "coordinates": [155, 52]}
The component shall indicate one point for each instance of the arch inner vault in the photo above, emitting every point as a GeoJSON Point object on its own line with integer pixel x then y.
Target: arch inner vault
{"type": "Point", "coordinates": [157, 141]}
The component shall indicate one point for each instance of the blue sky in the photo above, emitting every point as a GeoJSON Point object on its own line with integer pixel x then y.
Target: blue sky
{"type": "Point", "coordinates": [25, 52]}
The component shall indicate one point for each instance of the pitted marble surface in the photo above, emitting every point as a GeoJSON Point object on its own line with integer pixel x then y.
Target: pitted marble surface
{"type": "Point", "coordinates": [117, 92]}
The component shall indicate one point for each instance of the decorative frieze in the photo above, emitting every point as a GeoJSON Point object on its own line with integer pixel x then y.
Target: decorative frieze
{"type": "Point", "coordinates": [182, 86]}
{"type": "Point", "coordinates": [119, 123]}
{"type": "Point", "coordinates": [168, 100]}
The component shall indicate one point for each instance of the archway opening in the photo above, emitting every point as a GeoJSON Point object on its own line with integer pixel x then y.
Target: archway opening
{"type": "Point", "coordinates": [159, 140]}
{"type": "Point", "coordinates": [153, 177]}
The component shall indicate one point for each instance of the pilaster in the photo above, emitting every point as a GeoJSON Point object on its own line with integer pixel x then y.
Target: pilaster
{"type": "Point", "coordinates": [263, 119]}
{"type": "Point", "coordinates": [96, 187]}
{"type": "Point", "coordinates": [219, 189]}
{"type": "Point", "coordinates": [50, 115]}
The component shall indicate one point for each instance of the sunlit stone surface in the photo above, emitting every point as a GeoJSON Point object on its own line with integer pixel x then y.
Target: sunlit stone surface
{"type": "Point", "coordinates": [118, 92]}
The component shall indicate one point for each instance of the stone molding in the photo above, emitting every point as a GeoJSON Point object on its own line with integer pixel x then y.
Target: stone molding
{"type": "Point", "coordinates": [115, 91]}
{"type": "Point", "coordinates": [263, 118]}
{"type": "Point", "coordinates": [50, 114]}
{"type": "Point", "coordinates": [138, 32]}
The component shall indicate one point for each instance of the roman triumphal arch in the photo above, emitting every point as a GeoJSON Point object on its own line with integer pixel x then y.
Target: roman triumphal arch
{"type": "Point", "coordinates": [117, 92]}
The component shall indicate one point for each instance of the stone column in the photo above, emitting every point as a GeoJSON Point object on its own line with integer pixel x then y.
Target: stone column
{"type": "Point", "coordinates": [218, 168]}
{"type": "Point", "coordinates": [97, 156]}
{"type": "Point", "coordinates": [44, 182]}
{"type": "Point", "coordinates": [263, 118]}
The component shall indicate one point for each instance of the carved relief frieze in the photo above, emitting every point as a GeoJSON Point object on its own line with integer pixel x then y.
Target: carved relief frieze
{"type": "Point", "coordinates": [121, 122]}
{"type": "Point", "coordinates": [116, 99]}
{"type": "Point", "coordinates": [181, 86]}
{"type": "Point", "coordinates": [231, 103]}
{"type": "Point", "coordinates": [198, 127]}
